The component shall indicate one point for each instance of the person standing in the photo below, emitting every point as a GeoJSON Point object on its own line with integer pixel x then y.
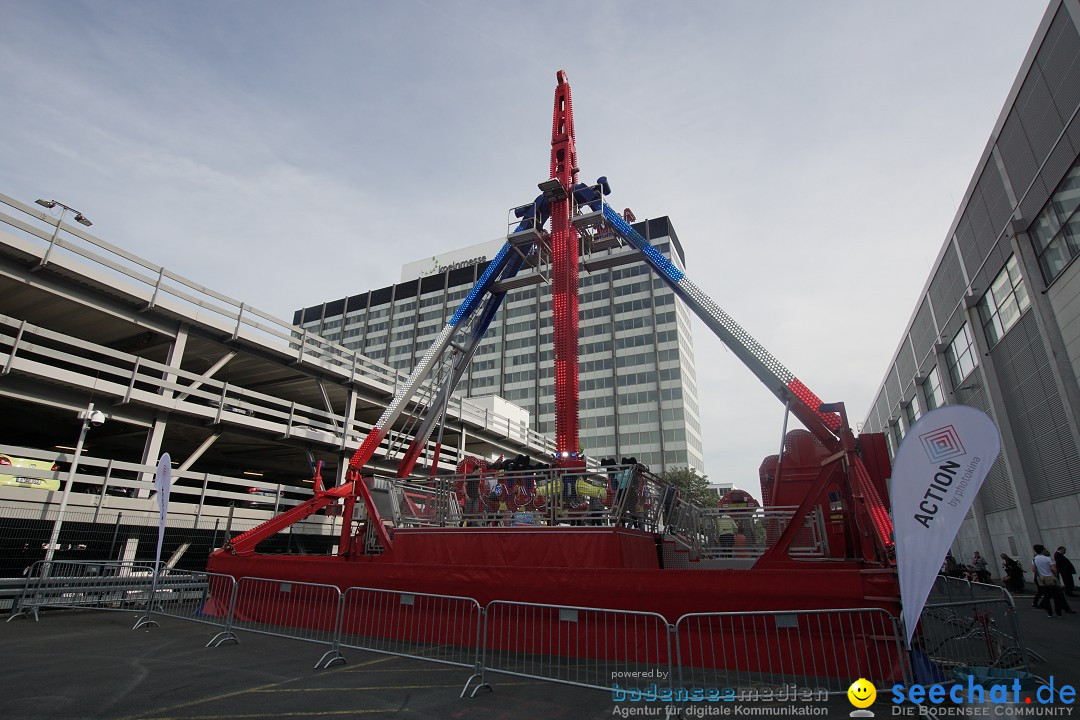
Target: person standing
{"type": "Point", "coordinates": [979, 563]}
{"type": "Point", "coordinates": [952, 568]}
{"type": "Point", "coordinates": [1042, 566]}
{"type": "Point", "coordinates": [1066, 570]}
{"type": "Point", "coordinates": [726, 528]}
{"type": "Point", "coordinates": [1014, 574]}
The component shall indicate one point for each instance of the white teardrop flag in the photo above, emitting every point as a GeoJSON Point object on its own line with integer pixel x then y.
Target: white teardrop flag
{"type": "Point", "coordinates": [163, 484]}
{"type": "Point", "coordinates": [938, 470]}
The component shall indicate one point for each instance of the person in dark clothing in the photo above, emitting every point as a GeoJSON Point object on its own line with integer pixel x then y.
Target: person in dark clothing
{"type": "Point", "coordinates": [1066, 570]}
{"type": "Point", "coordinates": [1014, 574]}
{"type": "Point", "coordinates": [952, 568]}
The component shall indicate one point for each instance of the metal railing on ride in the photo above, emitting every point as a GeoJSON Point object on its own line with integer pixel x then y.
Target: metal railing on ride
{"type": "Point", "coordinates": [627, 496]}
{"type": "Point", "coordinates": [720, 533]}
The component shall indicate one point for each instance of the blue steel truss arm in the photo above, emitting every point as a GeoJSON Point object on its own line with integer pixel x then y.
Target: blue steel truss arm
{"type": "Point", "coordinates": [245, 543]}
{"type": "Point", "coordinates": [462, 358]}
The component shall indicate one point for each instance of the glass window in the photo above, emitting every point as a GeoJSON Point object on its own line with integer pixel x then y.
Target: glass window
{"type": "Point", "coordinates": [1004, 302]}
{"type": "Point", "coordinates": [961, 356]}
{"type": "Point", "coordinates": [913, 412]}
{"type": "Point", "coordinates": [1056, 230]}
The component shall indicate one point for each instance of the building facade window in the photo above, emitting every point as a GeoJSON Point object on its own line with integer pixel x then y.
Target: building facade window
{"type": "Point", "coordinates": [1056, 230]}
{"type": "Point", "coordinates": [961, 356]}
{"type": "Point", "coordinates": [1004, 302]}
{"type": "Point", "coordinates": [912, 411]}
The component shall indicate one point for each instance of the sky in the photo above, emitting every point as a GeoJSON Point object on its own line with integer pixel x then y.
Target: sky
{"type": "Point", "coordinates": [810, 155]}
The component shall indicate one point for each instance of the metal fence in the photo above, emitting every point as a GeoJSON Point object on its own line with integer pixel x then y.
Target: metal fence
{"type": "Point", "coordinates": [296, 610]}
{"type": "Point", "coordinates": [84, 585]}
{"type": "Point", "coordinates": [607, 649]}
{"type": "Point", "coordinates": [590, 647]}
{"type": "Point", "coordinates": [198, 596]}
{"type": "Point", "coordinates": [818, 649]}
{"type": "Point", "coordinates": [968, 633]}
{"type": "Point", "coordinates": [437, 628]}
{"type": "Point", "coordinates": [951, 589]}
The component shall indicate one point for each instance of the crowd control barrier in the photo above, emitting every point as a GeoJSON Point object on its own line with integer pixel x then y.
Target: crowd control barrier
{"type": "Point", "coordinates": [608, 649]}
{"type": "Point", "coordinates": [589, 647]}
{"type": "Point", "coordinates": [296, 610]}
{"type": "Point", "coordinates": [812, 649]}
{"type": "Point", "coordinates": [437, 628]}
{"type": "Point", "coordinates": [198, 596]}
{"type": "Point", "coordinates": [949, 589]}
{"type": "Point", "coordinates": [982, 633]}
{"type": "Point", "coordinates": [105, 585]}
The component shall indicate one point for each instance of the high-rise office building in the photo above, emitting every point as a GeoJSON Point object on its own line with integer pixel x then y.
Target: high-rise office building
{"type": "Point", "coordinates": [997, 325]}
{"type": "Point", "coordinates": [638, 392]}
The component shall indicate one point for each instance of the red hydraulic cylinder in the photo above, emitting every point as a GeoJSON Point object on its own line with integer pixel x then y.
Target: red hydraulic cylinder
{"type": "Point", "coordinates": [564, 266]}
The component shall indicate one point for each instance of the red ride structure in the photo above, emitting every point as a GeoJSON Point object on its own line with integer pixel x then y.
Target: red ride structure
{"type": "Point", "coordinates": [823, 538]}
{"type": "Point", "coordinates": [564, 270]}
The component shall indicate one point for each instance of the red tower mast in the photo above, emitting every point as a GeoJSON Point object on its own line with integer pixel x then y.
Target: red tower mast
{"type": "Point", "coordinates": [564, 262]}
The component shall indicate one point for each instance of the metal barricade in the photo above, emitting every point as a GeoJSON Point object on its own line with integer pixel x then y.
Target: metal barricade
{"type": "Point", "coordinates": [437, 628]}
{"type": "Point", "coordinates": [100, 585]}
{"type": "Point", "coordinates": [197, 596]}
{"type": "Point", "coordinates": [296, 610]}
{"type": "Point", "coordinates": [590, 647]}
{"type": "Point", "coordinates": [971, 633]}
{"type": "Point", "coordinates": [809, 649]}
{"type": "Point", "coordinates": [951, 589]}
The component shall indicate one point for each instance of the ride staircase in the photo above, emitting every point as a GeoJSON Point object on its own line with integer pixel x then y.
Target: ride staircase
{"type": "Point", "coordinates": [693, 537]}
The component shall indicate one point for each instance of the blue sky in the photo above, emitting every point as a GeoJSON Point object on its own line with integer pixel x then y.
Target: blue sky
{"type": "Point", "coordinates": [810, 154]}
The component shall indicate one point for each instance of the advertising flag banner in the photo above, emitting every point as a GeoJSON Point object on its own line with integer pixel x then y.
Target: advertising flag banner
{"type": "Point", "coordinates": [162, 483]}
{"type": "Point", "coordinates": [938, 470]}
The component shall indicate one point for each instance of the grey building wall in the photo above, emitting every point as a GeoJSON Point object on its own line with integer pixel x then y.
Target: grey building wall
{"type": "Point", "coordinates": [997, 325]}
{"type": "Point", "coordinates": [637, 384]}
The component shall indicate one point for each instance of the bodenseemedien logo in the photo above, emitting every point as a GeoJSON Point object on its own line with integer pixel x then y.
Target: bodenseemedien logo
{"type": "Point", "coordinates": [862, 694]}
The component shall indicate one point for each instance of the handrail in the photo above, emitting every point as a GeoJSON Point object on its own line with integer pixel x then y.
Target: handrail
{"type": "Point", "coordinates": [130, 377]}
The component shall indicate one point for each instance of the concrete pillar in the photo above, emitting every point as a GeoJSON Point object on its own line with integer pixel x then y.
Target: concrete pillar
{"type": "Point", "coordinates": [176, 356]}
{"type": "Point", "coordinates": [344, 454]}
{"type": "Point", "coordinates": [948, 392]}
{"type": "Point", "coordinates": [150, 454]}
{"type": "Point", "coordinates": [1028, 524]}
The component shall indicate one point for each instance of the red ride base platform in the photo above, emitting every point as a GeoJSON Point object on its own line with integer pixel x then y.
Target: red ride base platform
{"type": "Point", "coordinates": [603, 567]}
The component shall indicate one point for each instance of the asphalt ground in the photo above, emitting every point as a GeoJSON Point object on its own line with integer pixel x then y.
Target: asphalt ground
{"type": "Point", "coordinates": [73, 665]}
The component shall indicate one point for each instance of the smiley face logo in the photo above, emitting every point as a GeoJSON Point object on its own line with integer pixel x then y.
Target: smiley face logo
{"type": "Point", "coordinates": [862, 693]}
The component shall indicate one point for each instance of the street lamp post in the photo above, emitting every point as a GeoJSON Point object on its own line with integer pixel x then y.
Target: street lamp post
{"type": "Point", "coordinates": [79, 218]}
{"type": "Point", "coordinates": [89, 417]}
